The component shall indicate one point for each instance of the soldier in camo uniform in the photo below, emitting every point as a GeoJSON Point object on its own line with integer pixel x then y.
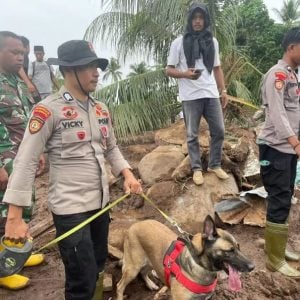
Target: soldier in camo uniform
{"type": "Point", "coordinates": [15, 107]}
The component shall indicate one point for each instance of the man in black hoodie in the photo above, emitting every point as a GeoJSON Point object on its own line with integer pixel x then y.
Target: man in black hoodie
{"type": "Point", "coordinates": [194, 60]}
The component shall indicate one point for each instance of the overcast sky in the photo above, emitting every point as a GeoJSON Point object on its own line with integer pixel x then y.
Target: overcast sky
{"type": "Point", "coordinates": [52, 22]}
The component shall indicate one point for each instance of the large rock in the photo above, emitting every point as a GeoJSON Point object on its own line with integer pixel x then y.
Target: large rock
{"type": "Point", "coordinates": [160, 163]}
{"type": "Point", "coordinates": [137, 152]}
{"type": "Point", "coordinates": [190, 209]}
{"type": "Point", "coordinates": [240, 151]}
{"type": "Point", "coordinates": [252, 168]}
{"type": "Point", "coordinates": [176, 134]}
{"type": "Point", "coordinates": [162, 191]}
{"type": "Point", "coordinates": [183, 170]}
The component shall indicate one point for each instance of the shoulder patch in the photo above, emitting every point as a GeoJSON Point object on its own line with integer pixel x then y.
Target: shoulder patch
{"type": "Point", "coordinates": [35, 125]}
{"type": "Point", "coordinates": [101, 111]}
{"type": "Point", "coordinates": [41, 112]}
{"type": "Point", "coordinates": [280, 75]}
{"type": "Point", "coordinates": [279, 84]}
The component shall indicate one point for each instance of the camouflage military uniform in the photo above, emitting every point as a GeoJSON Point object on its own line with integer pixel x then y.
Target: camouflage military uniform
{"type": "Point", "coordinates": [15, 108]}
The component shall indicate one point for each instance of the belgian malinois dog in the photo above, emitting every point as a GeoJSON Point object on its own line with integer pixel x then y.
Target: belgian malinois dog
{"type": "Point", "coordinates": [147, 242]}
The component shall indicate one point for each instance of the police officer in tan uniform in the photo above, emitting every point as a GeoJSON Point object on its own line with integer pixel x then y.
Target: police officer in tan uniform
{"type": "Point", "coordinates": [279, 148]}
{"type": "Point", "coordinates": [77, 132]}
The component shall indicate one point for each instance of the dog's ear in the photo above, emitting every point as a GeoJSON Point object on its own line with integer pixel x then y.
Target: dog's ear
{"type": "Point", "coordinates": [209, 228]}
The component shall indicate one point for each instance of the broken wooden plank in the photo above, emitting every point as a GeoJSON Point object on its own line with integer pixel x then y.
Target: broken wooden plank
{"type": "Point", "coordinates": [41, 227]}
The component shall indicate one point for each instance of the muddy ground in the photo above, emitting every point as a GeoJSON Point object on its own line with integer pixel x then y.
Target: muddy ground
{"type": "Point", "coordinates": [47, 280]}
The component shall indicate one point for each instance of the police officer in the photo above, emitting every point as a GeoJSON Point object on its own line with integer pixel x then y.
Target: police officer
{"type": "Point", "coordinates": [15, 109]}
{"type": "Point", "coordinates": [279, 149]}
{"type": "Point", "coordinates": [77, 132]}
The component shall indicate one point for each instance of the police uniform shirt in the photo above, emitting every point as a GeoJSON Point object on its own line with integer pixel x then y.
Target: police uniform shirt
{"type": "Point", "coordinates": [280, 97]}
{"type": "Point", "coordinates": [78, 142]}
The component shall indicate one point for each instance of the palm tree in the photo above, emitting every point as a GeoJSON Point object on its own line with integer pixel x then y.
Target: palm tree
{"type": "Point", "coordinates": [138, 69]}
{"type": "Point", "coordinates": [113, 70]}
{"type": "Point", "coordinates": [147, 101]}
{"type": "Point", "coordinates": [289, 13]}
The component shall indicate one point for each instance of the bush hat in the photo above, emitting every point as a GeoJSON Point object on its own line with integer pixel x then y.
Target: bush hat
{"type": "Point", "coordinates": [76, 53]}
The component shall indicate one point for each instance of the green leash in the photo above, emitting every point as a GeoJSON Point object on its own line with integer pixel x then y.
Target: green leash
{"type": "Point", "coordinates": [108, 207]}
{"type": "Point", "coordinates": [79, 226]}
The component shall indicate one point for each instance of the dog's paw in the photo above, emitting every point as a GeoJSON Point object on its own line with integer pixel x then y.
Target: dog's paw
{"type": "Point", "coordinates": [150, 284]}
{"type": "Point", "coordinates": [162, 294]}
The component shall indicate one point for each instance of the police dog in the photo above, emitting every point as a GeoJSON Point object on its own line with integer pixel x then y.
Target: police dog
{"type": "Point", "coordinates": [203, 255]}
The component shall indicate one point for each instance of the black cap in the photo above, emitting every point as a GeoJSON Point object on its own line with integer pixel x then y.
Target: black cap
{"type": "Point", "coordinates": [38, 48]}
{"type": "Point", "coordinates": [77, 53]}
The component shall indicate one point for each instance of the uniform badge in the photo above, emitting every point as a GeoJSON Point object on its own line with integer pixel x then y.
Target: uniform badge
{"type": "Point", "coordinates": [41, 112]}
{"type": "Point", "coordinates": [104, 131]}
{"type": "Point", "coordinates": [69, 112]}
{"type": "Point", "coordinates": [279, 84]}
{"type": "Point", "coordinates": [100, 112]}
{"type": "Point", "coordinates": [280, 76]}
{"type": "Point", "coordinates": [67, 96]}
{"type": "Point", "coordinates": [35, 125]}
{"type": "Point", "coordinates": [81, 135]}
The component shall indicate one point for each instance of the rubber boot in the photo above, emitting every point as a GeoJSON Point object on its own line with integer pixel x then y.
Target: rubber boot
{"type": "Point", "coordinates": [291, 255]}
{"type": "Point", "coordinates": [14, 282]}
{"type": "Point", "coordinates": [98, 294]}
{"type": "Point", "coordinates": [33, 260]}
{"type": "Point", "coordinates": [276, 236]}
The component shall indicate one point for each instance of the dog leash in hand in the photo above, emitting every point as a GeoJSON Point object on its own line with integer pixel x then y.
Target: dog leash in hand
{"type": "Point", "coordinates": [79, 226]}
{"type": "Point", "coordinates": [173, 223]}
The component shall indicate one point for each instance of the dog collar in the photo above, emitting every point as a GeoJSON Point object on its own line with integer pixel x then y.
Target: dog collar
{"type": "Point", "coordinates": [171, 267]}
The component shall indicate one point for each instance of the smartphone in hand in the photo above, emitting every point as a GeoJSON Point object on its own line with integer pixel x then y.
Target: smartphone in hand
{"type": "Point", "coordinates": [198, 71]}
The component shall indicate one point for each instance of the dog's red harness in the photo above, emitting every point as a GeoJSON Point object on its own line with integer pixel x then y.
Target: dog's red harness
{"type": "Point", "coordinates": [172, 267]}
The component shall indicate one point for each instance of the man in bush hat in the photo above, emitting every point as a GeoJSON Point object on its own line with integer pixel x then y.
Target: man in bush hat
{"type": "Point", "coordinates": [41, 73]}
{"type": "Point", "coordinates": [77, 132]}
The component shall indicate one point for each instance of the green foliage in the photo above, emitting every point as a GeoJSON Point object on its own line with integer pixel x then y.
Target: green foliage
{"type": "Point", "coordinates": [289, 14]}
{"type": "Point", "coordinates": [138, 69]}
{"type": "Point", "coordinates": [258, 36]}
{"type": "Point", "coordinates": [113, 70]}
{"type": "Point", "coordinates": [248, 39]}
{"type": "Point", "coordinates": [141, 102]}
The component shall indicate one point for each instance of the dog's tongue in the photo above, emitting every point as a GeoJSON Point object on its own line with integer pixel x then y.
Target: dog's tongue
{"type": "Point", "coordinates": [234, 280]}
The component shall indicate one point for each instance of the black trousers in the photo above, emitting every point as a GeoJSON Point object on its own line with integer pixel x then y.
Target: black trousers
{"type": "Point", "coordinates": [278, 173]}
{"type": "Point", "coordinates": [83, 253]}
